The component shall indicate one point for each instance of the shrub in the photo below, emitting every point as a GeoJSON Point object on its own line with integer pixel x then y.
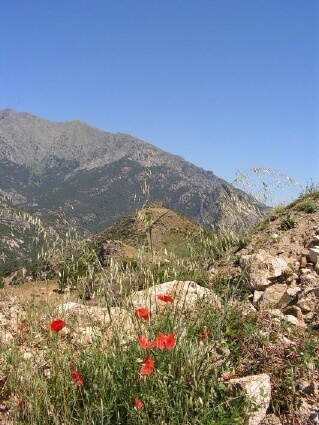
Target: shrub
{"type": "Point", "coordinates": [289, 222]}
{"type": "Point", "coordinates": [308, 207]}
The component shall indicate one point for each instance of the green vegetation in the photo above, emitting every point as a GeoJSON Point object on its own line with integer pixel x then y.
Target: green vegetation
{"type": "Point", "coordinates": [308, 206]}
{"type": "Point", "coordinates": [289, 222]}
{"type": "Point", "coordinates": [99, 371]}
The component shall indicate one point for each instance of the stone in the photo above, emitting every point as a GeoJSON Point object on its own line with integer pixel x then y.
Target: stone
{"type": "Point", "coordinates": [293, 320]}
{"type": "Point", "coordinates": [314, 242]}
{"type": "Point", "coordinates": [293, 310]}
{"type": "Point", "coordinates": [293, 291]}
{"type": "Point", "coordinates": [257, 296]}
{"type": "Point", "coordinates": [304, 270]}
{"type": "Point", "coordinates": [258, 389]}
{"type": "Point", "coordinates": [261, 268]}
{"type": "Point", "coordinates": [303, 261]}
{"type": "Point", "coordinates": [305, 387]}
{"type": "Point", "coordinates": [187, 296]}
{"type": "Point", "coordinates": [313, 254]}
{"type": "Point", "coordinates": [278, 315]}
{"type": "Point", "coordinates": [275, 296]}
{"type": "Point", "coordinates": [309, 300]}
{"type": "Point", "coordinates": [271, 419]}
{"type": "Point", "coordinates": [308, 279]}
{"type": "Point", "coordinates": [285, 341]}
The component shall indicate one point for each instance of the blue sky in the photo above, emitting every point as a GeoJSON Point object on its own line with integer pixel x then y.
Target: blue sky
{"type": "Point", "coordinates": [226, 84]}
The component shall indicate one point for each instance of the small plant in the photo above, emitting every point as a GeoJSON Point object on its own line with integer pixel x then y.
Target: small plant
{"type": "Point", "coordinates": [289, 222]}
{"type": "Point", "coordinates": [312, 189]}
{"type": "Point", "coordinates": [243, 242]}
{"type": "Point", "coordinates": [308, 207]}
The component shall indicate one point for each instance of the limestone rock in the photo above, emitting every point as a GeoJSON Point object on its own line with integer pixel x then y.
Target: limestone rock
{"type": "Point", "coordinates": [313, 254]}
{"type": "Point", "coordinates": [258, 389]}
{"type": "Point", "coordinates": [186, 295]}
{"type": "Point", "coordinates": [278, 315]}
{"type": "Point", "coordinates": [309, 300]}
{"type": "Point", "coordinates": [257, 296]}
{"type": "Point", "coordinates": [275, 296]}
{"type": "Point", "coordinates": [262, 267]}
{"type": "Point", "coordinates": [308, 279]}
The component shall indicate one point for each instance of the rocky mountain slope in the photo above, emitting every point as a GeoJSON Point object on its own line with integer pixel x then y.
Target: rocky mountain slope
{"type": "Point", "coordinates": [96, 177]}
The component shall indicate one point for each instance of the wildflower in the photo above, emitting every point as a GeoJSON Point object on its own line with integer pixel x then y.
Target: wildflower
{"type": "Point", "coordinates": [138, 404]}
{"type": "Point", "coordinates": [57, 325]}
{"type": "Point", "coordinates": [143, 313]}
{"type": "Point", "coordinates": [20, 404]}
{"type": "Point", "coordinates": [166, 341]}
{"type": "Point", "coordinates": [147, 366]}
{"type": "Point", "coordinates": [166, 298]}
{"type": "Point", "coordinates": [145, 343]}
{"type": "Point", "coordinates": [205, 333]}
{"type": "Point", "coordinates": [77, 377]}
{"type": "Point", "coordinates": [23, 326]}
{"type": "Point", "coordinates": [229, 376]}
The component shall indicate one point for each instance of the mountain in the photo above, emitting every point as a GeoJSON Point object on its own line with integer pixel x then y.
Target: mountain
{"type": "Point", "coordinates": [95, 177]}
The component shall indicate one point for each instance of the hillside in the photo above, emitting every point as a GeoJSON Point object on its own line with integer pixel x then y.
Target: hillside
{"type": "Point", "coordinates": [95, 177]}
{"type": "Point", "coordinates": [248, 319]}
{"type": "Point", "coordinates": [159, 226]}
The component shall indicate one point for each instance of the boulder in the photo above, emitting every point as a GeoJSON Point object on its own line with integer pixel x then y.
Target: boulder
{"type": "Point", "coordinates": [275, 296]}
{"type": "Point", "coordinates": [262, 268]}
{"type": "Point", "coordinates": [258, 389]}
{"type": "Point", "coordinates": [187, 295]}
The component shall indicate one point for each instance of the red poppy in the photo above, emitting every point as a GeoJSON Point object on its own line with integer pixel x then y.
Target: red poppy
{"type": "Point", "coordinates": [228, 377]}
{"type": "Point", "coordinates": [143, 313]}
{"type": "Point", "coordinates": [145, 343]}
{"type": "Point", "coordinates": [165, 341]}
{"type": "Point", "coordinates": [23, 326]}
{"type": "Point", "coordinates": [20, 404]}
{"type": "Point", "coordinates": [166, 298]}
{"type": "Point", "coordinates": [57, 325]}
{"type": "Point", "coordinates": [147, 366]}
{"type": "Point", "coordinates": [77, 377]}
{"type": "Point", "coordinates": [138, 404]}
{"type": "Point", "coordinates": [205, 333]}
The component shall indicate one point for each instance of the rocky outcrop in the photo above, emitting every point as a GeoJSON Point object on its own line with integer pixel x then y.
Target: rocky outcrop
{"type": "Point", "coordinates": [261, 268]}
{"type": "Point", "coordinates": [258, 390]}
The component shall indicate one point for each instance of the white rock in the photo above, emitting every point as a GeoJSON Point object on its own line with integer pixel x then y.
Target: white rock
{"type": "Point", "coordinates": [275, 296]}
{"type": "Point", "coordinates": [257, 296]}
{"type": "Point", "coordinates": [186, 295]}
{"type": "Point", "coordinates": [313, 254]}
{"type": "Point", "coordinates": [292, 292]}
{"type": "Point", "coordinates": [258, 389]}
{"type": "Point", "coordinates": [261, 267]}
{"type": "Point", "coordinates": [69, 306]}
{"type": "Point", "coordinates": [27, 355]}
{"type": "Point", "coordinates": [292, 319]}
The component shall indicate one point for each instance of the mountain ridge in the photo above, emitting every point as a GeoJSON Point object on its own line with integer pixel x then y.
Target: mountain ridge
{"type": "Point", "coordinates": [96, 177]}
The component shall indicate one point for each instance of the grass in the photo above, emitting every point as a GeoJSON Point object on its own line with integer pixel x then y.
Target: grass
{"type": "Point", "coordinates": [67, 377]}
{"type": "Point", "coordinates": [188, 384]}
